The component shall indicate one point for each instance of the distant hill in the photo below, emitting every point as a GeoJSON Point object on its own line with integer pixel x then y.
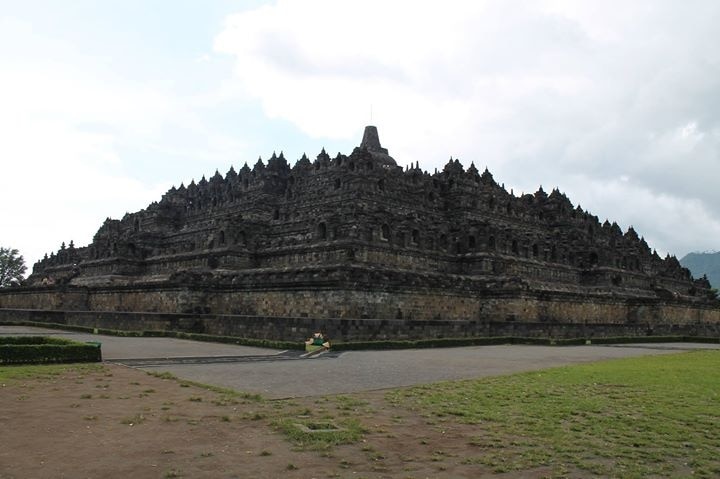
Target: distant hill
{"type": "Point", "coordinates": [704, 263]}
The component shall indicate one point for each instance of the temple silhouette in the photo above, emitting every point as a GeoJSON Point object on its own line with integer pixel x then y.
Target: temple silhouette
{"type": "Point", "coordinates": [357, 237]}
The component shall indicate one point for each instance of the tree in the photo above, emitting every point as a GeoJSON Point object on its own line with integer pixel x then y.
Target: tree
{"type": "Point", "coordinates": [12, 266]}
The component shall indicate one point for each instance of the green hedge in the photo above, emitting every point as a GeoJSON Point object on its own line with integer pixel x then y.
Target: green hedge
{"type": "Point", "coordinates": [260, 343]}
{"type": "Point", "coordinates": [377, 345]}
{"type": "Point", "coordinates": [655, 339]}
{"type": "Point", "coordinates": [488, 341]}
{"type": "Point", "coordinates": [41, 349]}
{"type": "Point", "coordinates": [449, 342]}
{"type": "Point", "coordinates": [418, 343]}
{"type": "Point", "coordinates": [28, 340]}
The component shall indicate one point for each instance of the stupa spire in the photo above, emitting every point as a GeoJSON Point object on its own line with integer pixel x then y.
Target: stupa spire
{"type": "Point", "coordinates": [371, 140]}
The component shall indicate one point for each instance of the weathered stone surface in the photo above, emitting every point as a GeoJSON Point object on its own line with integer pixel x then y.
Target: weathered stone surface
{"type": "Point", "coordinates": [292, 328]}
{"type": "Point", "coordinates": [357, 237]}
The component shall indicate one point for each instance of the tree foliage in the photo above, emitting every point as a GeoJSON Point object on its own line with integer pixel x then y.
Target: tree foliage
{"type": "Point", "coordinates": [12, 266]}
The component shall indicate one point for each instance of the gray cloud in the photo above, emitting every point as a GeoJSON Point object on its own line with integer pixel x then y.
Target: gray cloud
{"type": "Point", "coordinates": [615, 103]}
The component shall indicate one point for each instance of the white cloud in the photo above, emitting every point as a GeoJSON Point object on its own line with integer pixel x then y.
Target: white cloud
{"type": "Point", "coordinates": [617, 103]}
{"type": "Point", "coordinates": [566, 93]}
{"type": "Point", "coordinates": [654, 215]}
{"type": "Point", "coordinates": [66, 123]}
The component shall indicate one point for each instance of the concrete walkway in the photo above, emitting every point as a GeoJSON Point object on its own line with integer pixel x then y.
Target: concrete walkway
{"type": "Point", "coordinates": [117, 348]}
{"type": "Point", "coordinates": [352, 371]}
{"type": "Point", "coordinates": [355, 371]}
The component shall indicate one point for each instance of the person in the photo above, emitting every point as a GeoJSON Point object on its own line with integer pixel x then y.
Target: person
{"type": "Point", "coordinates": [325, 339]}
{"type": "Point", "coordinates": [317, 341]}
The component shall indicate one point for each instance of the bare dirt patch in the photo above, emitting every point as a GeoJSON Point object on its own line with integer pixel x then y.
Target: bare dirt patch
{"type": "Point", "coordinates": [113, 421]}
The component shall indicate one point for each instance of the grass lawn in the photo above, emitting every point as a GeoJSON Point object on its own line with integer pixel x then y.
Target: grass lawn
{"type": "Point", "coordinates": [653, 416]}
{"type": "Point", "coordinates": [640, 417]}
{"type": "Point", "coordinates": [44, 371]}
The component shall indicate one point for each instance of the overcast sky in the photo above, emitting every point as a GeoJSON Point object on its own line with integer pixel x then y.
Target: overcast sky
{"type": "Point", "coordinates": [106, 105]}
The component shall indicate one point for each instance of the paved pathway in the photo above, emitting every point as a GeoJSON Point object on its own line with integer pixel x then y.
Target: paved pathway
{"type": "Point", "coordinates": [276, 374]}
{"type": "Point", "coordinates": [118, 348]}
{"type": "Point", "coordinates": [355, 371]}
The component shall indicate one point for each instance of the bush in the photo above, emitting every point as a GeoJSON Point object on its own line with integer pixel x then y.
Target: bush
{"type": "Point", "coordinates": [41, 349]}
{"type": "Point", "coordinates": [377, 344]}
{"type": "Point", "coordinates": [29, 340]}
{"type": "Point", "coordinates": [260, 343]}
{"type": "Point", "coordinates": [423, 343]}
{"type": "Point", "coordinates": [494, 340]}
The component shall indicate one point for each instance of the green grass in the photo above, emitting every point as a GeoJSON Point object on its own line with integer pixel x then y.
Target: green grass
{"type": "Point", "coordinates": [133, 420]}
{"type": "Point", "coordinates": [346, 432]}
{"type": "Point", "coordinates": [639, 417]}
{"type": "Point", "coordinates": [228, 394]}
{"type": "Point", "coordinates": [21, 372]}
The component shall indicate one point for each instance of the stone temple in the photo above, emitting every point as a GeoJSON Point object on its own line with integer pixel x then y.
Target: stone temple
{"type": "Point", "coordinates": [356, 240]}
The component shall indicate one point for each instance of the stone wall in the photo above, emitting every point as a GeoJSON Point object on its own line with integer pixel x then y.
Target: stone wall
{"type": "Point", "coordinates": [297, 329]}
{"type": "Point", "coordinates": [328, 294]}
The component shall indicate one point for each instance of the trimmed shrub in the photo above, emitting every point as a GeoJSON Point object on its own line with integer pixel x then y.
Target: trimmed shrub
{"type": "Point", "coordinates": [494, 340]}
{"type": "Point", "coordinates": [29, 340]}
{"type": "Point", "coordinates": [378, 344]}
{"type": "Point", "coordinates": [42, 349]}
{"type": "Point", "coordinates": [260, 343]}
{"type": "Point", "coordinates": [422, 343]}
